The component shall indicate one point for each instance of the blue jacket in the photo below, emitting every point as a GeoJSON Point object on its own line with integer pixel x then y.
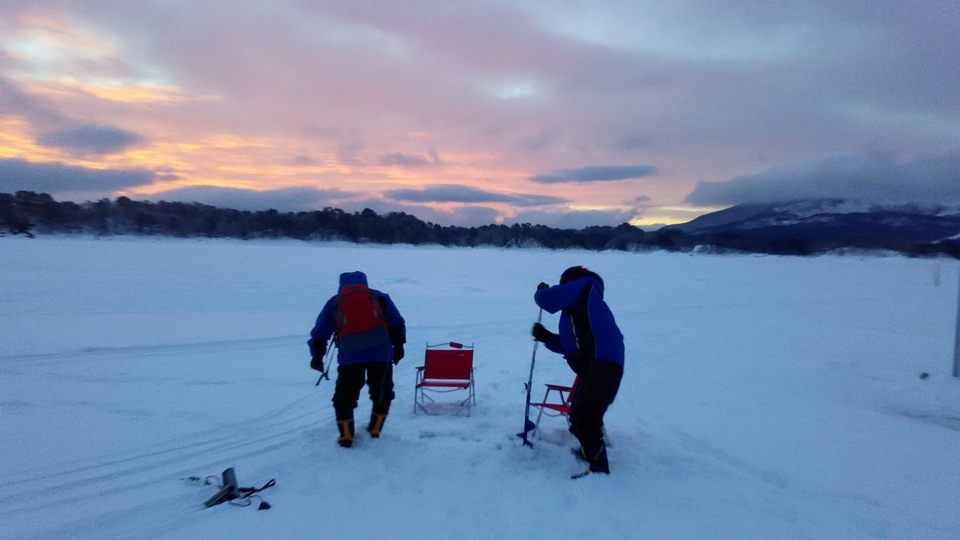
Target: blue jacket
{"type": "Point", "coordinates": [327, 323]}
{"type": "Point", "coordinates": [587, 326]}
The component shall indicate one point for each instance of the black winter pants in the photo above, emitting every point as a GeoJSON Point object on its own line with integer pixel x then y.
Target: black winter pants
{"type": "Point", "coordinates": [350, 380]}
{"type": "Point", "coordinates": [596, 389]}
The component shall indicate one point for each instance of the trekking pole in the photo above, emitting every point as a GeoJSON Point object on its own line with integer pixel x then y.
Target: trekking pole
{"type": "Point", "coordinates": [383, 380]}
{"type": "Point", "coordinates": [528, 425]}
{"type": "Point", "coordinates": [326, 358]}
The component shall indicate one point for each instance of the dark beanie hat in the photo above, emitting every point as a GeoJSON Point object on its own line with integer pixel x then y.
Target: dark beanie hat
{"type": "Point", "coordinates": [577, 272]}
{"type": "Point", "coordinates": [572, 273]}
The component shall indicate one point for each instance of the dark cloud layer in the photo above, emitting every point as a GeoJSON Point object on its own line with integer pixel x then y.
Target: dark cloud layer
{"type": "Point", "coordinates": [293, 199]}
{"type": "Point", "coordinates": [91, 139]}
{"type": "Point", "coordinates": [572, 219]}
{"type": "Point", "coordinates": [447, 193]}
{"type": "Point", "coordinates": [14, 101]}
{"type": "Point", "coordinates": [53, 178]}
{"type": "Point", "coordinates": [411, 161]}
{"type": "Point", "coordinates": [596, 174]}
{"type": "Point", "coordinates": [875, 178]}
{"type": "Point", "coordinates": [464, 216]}
{"type": "Point", "coordinates": [308, 199]}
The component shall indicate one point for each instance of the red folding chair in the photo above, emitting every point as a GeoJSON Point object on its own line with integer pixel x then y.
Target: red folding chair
{"type": "Point", "coordinates": [447, 367]}
{"type": "Point", "coordinates": [561, 407]}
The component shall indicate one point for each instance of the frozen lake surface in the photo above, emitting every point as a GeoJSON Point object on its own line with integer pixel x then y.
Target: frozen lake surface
{"type": "Point", "coordinates": [763, 397]}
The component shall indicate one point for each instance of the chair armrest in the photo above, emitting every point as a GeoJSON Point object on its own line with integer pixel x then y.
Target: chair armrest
{"type": "Point", "coordinates": [420, 368]}
{"type": "Point", "coordinates": [558, 387]}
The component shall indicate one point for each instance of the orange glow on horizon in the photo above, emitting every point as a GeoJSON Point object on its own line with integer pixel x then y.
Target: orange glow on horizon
{"type": "Point", "coordinates": [265, 163]}
{"type": "Point", "coordinates": [115, 91]}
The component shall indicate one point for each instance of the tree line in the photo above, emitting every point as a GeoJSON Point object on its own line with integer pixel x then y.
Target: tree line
{"type": "Point", "coordinates": [29, 213]}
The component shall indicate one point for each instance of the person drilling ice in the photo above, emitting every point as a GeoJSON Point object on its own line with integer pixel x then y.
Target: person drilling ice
{"type": "Point", "coordinates": [592, 344]}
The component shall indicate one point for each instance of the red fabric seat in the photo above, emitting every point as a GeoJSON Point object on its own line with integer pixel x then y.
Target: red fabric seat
{"type": "Point", "coordinates": [561, 407]}
{"type": "Point", "coordinates": [447, 367]}
{"type": "Point", "coordinates": [443, 384]}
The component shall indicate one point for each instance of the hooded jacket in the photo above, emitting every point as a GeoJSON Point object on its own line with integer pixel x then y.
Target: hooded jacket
{"type": "Point", "coordinates": [587, 326]}
{"type": "Point", "coordinates": [327, 323]}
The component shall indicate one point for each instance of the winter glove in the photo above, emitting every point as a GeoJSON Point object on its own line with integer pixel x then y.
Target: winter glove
{"type": "Point", "coordinates": [320, 350]}
{"type": "Point", "coordinates": [398, 336]}
{"type": "Point", "coordinates": [542, 286]}
{"type": "Point", "coordinates": [540, 333]}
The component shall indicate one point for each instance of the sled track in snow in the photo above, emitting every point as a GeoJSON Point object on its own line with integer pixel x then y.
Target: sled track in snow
{"type": "Point", "coordinates": [165, 462]}
{"type": "Point", "coordinates": [199, 438]}
{"type": "Point", "coordinates": [157, 350]}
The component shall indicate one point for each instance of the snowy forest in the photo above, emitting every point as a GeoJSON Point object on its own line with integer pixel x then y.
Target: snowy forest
{"type": "Point", "coordinates": [29, 213]}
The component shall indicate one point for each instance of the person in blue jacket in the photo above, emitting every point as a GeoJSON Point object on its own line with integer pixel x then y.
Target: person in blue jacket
{"type": "Point", "coordinates": [592, 345]}
{"type": "Point", "coordinates": [371, 363]}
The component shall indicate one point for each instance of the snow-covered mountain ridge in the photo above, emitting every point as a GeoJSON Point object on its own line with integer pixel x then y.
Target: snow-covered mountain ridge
{"type": "Point", "coordinates": [831, 220]}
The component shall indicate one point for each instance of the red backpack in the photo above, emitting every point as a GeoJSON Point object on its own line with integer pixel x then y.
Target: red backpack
{"type": "Point", "coordinates": [361, 323]}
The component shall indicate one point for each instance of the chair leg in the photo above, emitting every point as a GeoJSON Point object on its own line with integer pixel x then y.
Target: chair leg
{"type": "Point", "coordinates": [419, 400]}
{"type": "Point", "coordinates": [420, 397]}
{"type": "Point", "coordinates": [418, 393]}
{"type": "Point", "coordinates": [540, 415]}
{"type": "Point", "coordinates": [471, 393]}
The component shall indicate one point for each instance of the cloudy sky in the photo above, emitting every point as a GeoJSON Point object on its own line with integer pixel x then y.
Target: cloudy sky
{"type": "Point", "coordinates": [567, 113]}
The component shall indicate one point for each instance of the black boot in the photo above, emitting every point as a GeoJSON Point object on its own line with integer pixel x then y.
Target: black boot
{"type": "Point", "coordinates": [346, 432]}
{"type": "Point", "coordinates": [376, 424]}
{"type": "Point", "coordinates": [594, 452]}
{"type": "Point", "coordinates": [597, 457]}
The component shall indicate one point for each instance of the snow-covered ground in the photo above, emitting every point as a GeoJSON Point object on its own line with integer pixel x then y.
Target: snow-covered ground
{"type": "Point", "coordinates": [763, 397]}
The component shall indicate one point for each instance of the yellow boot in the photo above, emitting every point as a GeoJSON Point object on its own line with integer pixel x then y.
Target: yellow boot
{"type": "Point", "coordinates": [376, 424]}
{"type": "Point", "coordinates": [346, 432]}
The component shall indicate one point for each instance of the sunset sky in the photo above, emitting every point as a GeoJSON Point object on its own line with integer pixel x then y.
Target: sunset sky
{"type": "Point", "coordinates": [565, 113]}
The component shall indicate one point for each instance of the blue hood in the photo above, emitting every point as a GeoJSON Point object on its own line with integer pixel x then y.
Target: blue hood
{"type": "Point", "coordinates": [352, 278]}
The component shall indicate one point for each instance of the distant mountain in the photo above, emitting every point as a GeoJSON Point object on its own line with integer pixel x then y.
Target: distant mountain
{"type": "Point", "coordinates": [831, 221]}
